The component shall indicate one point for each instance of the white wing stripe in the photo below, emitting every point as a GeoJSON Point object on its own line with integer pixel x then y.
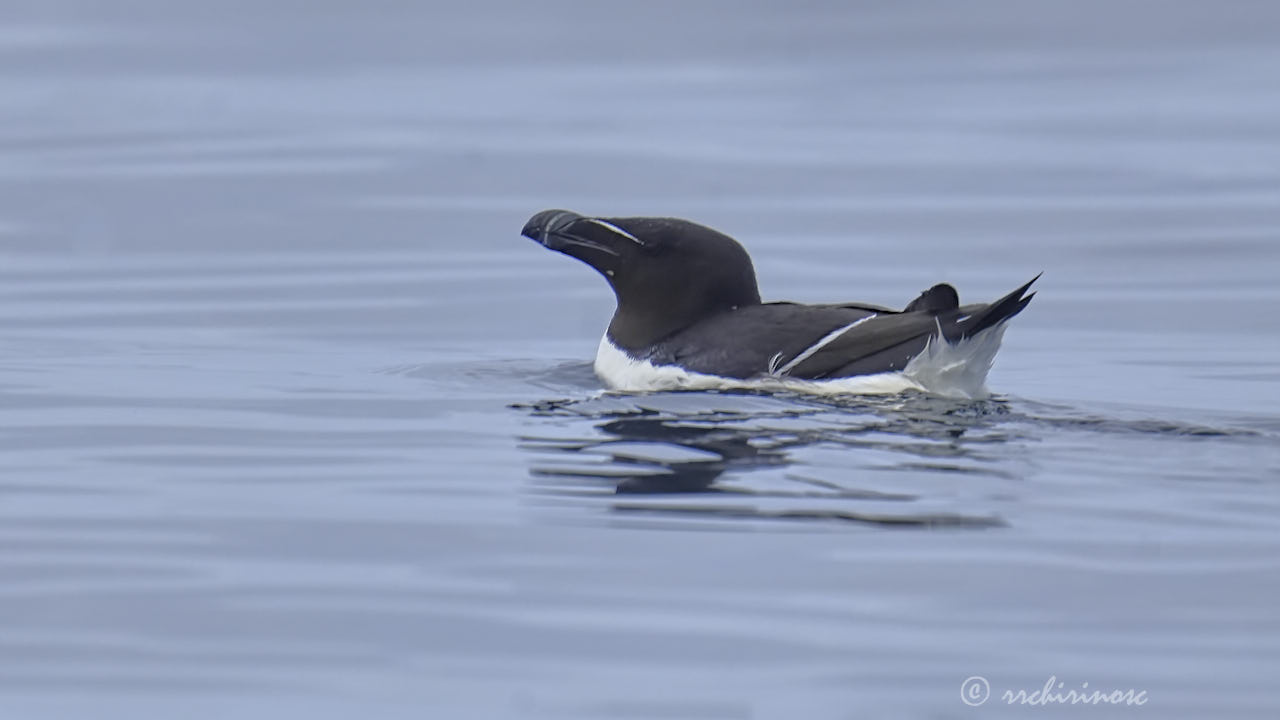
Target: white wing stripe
{"type": "Point", "coordinates": [826, 340]}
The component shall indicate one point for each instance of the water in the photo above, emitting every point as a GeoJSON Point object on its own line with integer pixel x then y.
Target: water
{"type": "Point", "coordinates": [294, 423]}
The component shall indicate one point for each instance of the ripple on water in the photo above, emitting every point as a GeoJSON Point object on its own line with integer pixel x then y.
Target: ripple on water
{"type": "Point", "coordinates": [916, 460]}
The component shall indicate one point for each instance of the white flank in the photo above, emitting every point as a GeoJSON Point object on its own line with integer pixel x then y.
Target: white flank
{"type": "Point", "coordinates": [957, 371]}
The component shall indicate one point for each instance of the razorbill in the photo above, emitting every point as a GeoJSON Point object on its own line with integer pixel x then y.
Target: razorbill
{"type": "Point", "coordinates": [689, 316]}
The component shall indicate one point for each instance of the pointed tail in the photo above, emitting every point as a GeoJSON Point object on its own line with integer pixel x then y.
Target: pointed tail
{"type": "Point", "coordinates": [998, 311]}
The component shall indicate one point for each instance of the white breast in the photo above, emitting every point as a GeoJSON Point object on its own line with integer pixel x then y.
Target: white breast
{"type": "Point", "coordinates": [622, 372]}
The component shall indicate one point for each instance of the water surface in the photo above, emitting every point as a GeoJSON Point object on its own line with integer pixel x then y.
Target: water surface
{"type": "Point", "coordinates": [293, 422]}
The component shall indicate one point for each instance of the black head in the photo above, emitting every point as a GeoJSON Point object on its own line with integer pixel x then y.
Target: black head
{"type": "Point", "coordinates": [666, 273]}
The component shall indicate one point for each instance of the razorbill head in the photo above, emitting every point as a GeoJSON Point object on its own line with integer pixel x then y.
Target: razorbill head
{"type": "Point", "coordinates": [689, 315]}
{"type": "Point", "coordinates": [667, 274]}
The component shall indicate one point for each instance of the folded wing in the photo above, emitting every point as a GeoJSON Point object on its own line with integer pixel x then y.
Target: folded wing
{"type": "Point", "coordinates": [887, 342]}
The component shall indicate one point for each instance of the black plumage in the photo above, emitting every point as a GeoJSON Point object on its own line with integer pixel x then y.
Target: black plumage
{"type": "Point", "coordinates": [687, 296]}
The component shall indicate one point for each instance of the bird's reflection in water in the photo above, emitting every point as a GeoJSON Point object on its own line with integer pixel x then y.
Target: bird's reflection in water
{"type": "Point", "coordinates": [733, 455]}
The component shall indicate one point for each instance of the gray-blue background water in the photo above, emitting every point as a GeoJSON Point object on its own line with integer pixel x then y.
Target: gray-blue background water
{"type": "Point", "coordinates": [294, 424]}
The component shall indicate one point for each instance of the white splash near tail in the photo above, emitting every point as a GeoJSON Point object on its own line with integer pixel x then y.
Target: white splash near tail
{"type": "Point", "coordinates": [956, 370]}
{"type": "Point", "coordinates": [951, 370]}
